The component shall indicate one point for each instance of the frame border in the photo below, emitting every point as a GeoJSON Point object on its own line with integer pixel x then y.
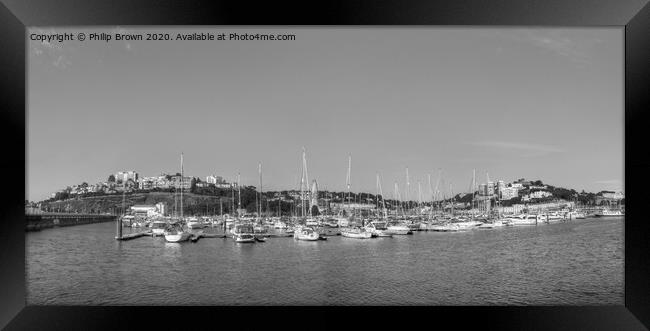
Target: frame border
{"type": "Point", "coordinates": [634, 15]}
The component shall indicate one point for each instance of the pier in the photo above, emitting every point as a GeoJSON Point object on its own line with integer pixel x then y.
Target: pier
{"type": "Point", "coordinates": [37, 222]}
{"type": "Point", "coordinates": [134, 235]}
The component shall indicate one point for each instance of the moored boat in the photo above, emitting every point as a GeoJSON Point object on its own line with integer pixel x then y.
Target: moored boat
{"type": "Point", "coordinates": [378, 229]}
{"type": "Point", "coordinates": [525, 219]}
{"type": "Point", "coordinates": [195, 223]}
{"type": "Point", "coordinates": [243, 233]}
{"type": "Point", "coordinates": [610, 213]}
{"type": "Point", "coordinates": [356, 232]}
{"type": "Point", "coordinates": [305, 233]}
{"type": "Point", "coordinates": [158, 227]}
{"type": "Point", "coordinates": [175, 233]}
{"type": "Point", "coordinates": [398, 229]}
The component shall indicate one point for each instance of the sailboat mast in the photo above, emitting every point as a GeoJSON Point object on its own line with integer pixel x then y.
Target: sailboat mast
{"type": "Point", "coordinates": [408, 188]}
{"type": "Point", "coordinates": [398, 198]}
{"type": "Point", "coordinates": [451, 192]}
{"type": "Point", "coordinates": [383, 201]}
{"type": "Point", "coordinates": [419, 197]}
{"type": "Point", "coordinates": [259, 208]}
{"type": "Point", "coordinates": [181, 185]}
{"type": "Point", "coordinates": [473, 191]}
{"type": "Point", "coordinates": [238, 193]}
{"type": "Point", "coordinates": [436, 191]}
{"type": "Point", "coordinates": [431, 194]}
{"type": "Point", "coordinates": [123, 197]}
{"type": "Point", "coordinates": [489, 196]}
{"type": "Point", "coordinates": [348, 177]}
{"type": "Point", "coordinates": [302, 183]}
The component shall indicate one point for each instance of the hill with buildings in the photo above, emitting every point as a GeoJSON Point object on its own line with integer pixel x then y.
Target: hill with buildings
{"type": "Point", "coordinates": [215, 196]}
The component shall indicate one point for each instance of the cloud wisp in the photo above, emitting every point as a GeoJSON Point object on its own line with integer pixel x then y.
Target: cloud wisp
{"type": "Point", "coordinates": [609, 182]}
{"type": "Point", "coordinates": [527, 149]}
{"type": "Point", "coordinates": [561, 43]}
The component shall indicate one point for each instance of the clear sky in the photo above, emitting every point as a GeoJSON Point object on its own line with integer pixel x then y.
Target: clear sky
{"type": "Point", "coordinates": [534, 103]}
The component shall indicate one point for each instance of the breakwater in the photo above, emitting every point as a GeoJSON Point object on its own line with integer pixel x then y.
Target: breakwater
{"type": "Point", "coordinates": [37, 222]}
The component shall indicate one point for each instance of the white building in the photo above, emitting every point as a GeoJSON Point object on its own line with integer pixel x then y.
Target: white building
{"type": "Point", "coordinates": [123, 176]}
{"type": "Point", "coordinates": [508, 193]}
{"type": "Point", "coordinates": [616, 195]}
{"type": "Point", "coordinates": [160, 207]}
{"type": "Point", "coordinates": [148, 210]}
{"type": "Point", "coordinates": [536, 195]}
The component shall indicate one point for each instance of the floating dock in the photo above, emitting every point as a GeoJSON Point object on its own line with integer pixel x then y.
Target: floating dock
{"type": "Point", "coordinates": [134, 235]}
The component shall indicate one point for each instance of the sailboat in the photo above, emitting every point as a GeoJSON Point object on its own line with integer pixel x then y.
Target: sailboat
{"type": "Point", "coordinates": [260, 229]}
{"type": "Point", "coordinates": [378, 227]}
{"type": "Point", "coordinates": [303, 232]}
{"type": "Point", "coordinates": [357, 232]}
{"type": "Point", "coordinates": [398, 228]}
{"type": "Point", "coordinates": [175, 233]}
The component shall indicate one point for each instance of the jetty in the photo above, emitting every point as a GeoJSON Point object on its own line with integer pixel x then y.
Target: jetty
{"type": "Point", "coordinates": [134, 235]}
{"type": "Point", "coordinates": [37, 222]}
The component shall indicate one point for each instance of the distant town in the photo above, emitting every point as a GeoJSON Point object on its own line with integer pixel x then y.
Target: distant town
{"type": "Point", "coordinates": [513, 196]}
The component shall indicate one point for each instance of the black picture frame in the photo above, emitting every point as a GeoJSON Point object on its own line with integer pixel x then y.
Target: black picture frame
{"type": "Point", "coordinates": [16, 15]}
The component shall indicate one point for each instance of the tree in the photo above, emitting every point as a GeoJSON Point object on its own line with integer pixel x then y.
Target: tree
{"type": "Point", "coordinates": [111, 179]}
{"type": "Point", "coordinates": [193, 185]}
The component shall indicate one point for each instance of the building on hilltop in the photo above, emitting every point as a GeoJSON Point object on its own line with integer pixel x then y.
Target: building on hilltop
{"type": "Point", "coordinates": [508, 193]}
{"type": "Point", "coordinates": [536, 195]}
{"type": "Point", "coordinates": [613, 195]}
{"type": "Point", "coordinates": [176, 182]}
{"type": "Point", "coordinates": [212, 179]}
{"type": "Point", "coordinates": [122, 176]}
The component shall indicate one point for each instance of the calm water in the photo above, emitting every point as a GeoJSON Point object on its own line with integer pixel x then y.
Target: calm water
{"type": "Point", "coordinates": [574, 263]}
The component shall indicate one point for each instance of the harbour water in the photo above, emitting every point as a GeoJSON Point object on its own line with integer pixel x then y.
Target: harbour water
{"type": "Point", "coordinates": [578, 262]}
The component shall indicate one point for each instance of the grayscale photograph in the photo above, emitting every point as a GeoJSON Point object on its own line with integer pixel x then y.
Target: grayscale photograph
{"type": "Point", "coordinates": [348, 166]}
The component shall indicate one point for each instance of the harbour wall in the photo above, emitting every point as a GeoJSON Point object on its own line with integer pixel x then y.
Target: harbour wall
{"type": "Point", "coordinates": [37, 222]}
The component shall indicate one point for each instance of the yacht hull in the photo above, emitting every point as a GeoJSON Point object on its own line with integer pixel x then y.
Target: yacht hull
{"type": "Point", "coordinates": [179, 237]}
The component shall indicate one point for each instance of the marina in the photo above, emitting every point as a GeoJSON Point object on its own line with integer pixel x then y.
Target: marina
{"type": "Point", "coordinates": [216, 173]}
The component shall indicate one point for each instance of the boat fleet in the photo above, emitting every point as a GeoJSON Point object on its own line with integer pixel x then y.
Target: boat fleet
{"type": "Point", "coordinates": [254, 228]}
{"type": "Point", "coordinates": [249, 229]}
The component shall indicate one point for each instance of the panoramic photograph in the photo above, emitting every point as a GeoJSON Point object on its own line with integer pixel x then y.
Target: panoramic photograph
{"type": "Point", "coordinates": [324, 166]}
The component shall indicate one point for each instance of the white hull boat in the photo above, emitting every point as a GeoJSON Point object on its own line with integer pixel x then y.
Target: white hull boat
{"type": "Point", "coordinates": [158, 228]}
{"type": "Point", "coordinates": [610, 213]}
{"type": "Point", "coordinates": [398, 230]}
{"type": "Point", "coordinates": [527, 220]}
{"type": "Point", "coordinates": [177, 236]}
{"type": "Point", "coordinates": [243, 233]}
{"type": "Point", "coordinates": [356, 233]}
{"type": "Point", "coordinates": [492, 225]}
{"type": "Point", "coordinates": [244, 238]}
{"type": "Point", "coordinates": [305, 233]}
{"type": "Point", "coordinates": [450, 227]}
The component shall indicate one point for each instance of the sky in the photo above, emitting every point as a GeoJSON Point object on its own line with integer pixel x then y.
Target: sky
{"type": "Point", "coordinates": [543, 103]}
